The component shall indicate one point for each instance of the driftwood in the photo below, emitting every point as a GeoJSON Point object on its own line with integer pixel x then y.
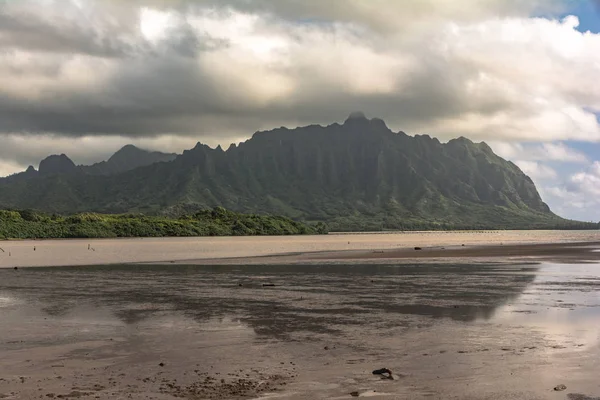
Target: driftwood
{"type": "Point", "coordinates": [1, 249]}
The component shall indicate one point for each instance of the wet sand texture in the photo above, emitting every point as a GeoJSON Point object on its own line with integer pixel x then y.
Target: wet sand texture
{"type": "Point", "coordinates": [447, 331]}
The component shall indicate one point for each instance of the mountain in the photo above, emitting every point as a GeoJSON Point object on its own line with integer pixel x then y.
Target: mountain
{"type": "Point", "coordinates": [57, 165]}
{"type": "Point", "coordinates": [127, 158]}
{"type": "Point", "coordinates": [358, 175]}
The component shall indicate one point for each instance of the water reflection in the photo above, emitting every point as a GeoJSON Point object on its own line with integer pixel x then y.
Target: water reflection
{"type": "Point", "coordinates": [317, 299]}
{"type": "Point", "coordinates": [564, 300]}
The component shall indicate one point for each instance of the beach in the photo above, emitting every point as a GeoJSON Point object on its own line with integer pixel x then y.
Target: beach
{"type": "Point", "coordinates": [316, 326]}
{"type": "Point", "coordinates": [261, 249]}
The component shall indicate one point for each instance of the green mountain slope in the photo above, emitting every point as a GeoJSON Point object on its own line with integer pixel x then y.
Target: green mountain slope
{"type": "Point", "coordinates": [355, 176]}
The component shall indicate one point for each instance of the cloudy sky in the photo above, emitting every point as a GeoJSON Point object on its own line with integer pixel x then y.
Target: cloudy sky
{"type": "Point", "coordinates": [85, 77]}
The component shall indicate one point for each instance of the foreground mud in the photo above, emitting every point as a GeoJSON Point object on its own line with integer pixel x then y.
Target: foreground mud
{"type": "Point", "coordinates": [447, 331]}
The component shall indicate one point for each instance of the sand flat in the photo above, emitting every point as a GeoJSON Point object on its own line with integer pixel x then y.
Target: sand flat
{"type": "Point", "coordinates": [510, 315]}
{"type": "Point", "coordinates": [115, 251]}
{"type": "Point", "coordinates": [449, 331]}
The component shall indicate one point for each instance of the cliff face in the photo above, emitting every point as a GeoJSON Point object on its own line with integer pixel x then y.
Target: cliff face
{"type": "Point", "coordinates": [343, 173]}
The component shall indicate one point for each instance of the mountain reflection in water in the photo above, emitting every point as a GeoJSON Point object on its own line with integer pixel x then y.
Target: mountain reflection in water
{"type": "Point", "coordinates": [316, 299]}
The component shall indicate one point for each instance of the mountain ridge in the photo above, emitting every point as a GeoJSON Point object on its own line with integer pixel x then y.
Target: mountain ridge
{"type": "Point", "coordinates": [125, 159]}
{"type": "Point", "coordinates": [359, 175]}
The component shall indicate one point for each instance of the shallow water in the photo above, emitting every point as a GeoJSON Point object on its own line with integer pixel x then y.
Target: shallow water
{"type": "Point", "coordinates": [497, 330]}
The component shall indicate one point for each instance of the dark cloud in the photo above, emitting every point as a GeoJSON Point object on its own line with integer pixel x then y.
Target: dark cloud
{"type": "Point", "coordinates": [147, 96]}
{"type": "Point", "coordinates": [88, 69]}
{"type": "Point", "coordinates": [153, 96]}
{"type": "Point", "coordinates": [28, 30]}
{"type": "Point", "coordinates": [172, 87]}
{"type": "Point", "coordinates": [96, 37]}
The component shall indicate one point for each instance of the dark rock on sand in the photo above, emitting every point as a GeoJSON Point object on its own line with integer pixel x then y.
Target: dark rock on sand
{"type": "Point", "coordinates": [384, 372]}
{"type": "Point", "coordinates": [579, 396]}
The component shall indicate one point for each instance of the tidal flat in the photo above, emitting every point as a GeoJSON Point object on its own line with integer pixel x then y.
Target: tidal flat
{"type": "Point", "coordinates": [262, 249]}
{"type": "Point", "coordinates": [451, 330]}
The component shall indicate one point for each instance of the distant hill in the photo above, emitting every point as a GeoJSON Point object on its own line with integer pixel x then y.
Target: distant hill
{"type": "Point", "coordinates": [57, 165]}
{"type": "Point", "coordinates": [358, 175]}
{"type": "Point", "coordinates": [127, 158]}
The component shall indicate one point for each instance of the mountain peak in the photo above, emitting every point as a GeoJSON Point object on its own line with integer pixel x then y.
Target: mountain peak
{"type": "Point", "coordinates": [129, 147]}
{"type": "Point", "coordinates": [57, 164]}
{"type": "Point", "coordinates": [358, 123]}
{"type": "Point", "coordinates": [130, 157]}
{"type": "Point", "coordinates": [357, 116]}
{"type": "Point", "coordinates": [126, 151]}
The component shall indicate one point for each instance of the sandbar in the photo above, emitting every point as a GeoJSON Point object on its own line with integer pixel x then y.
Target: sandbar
{"type": "Point", "coordinates": [365, 247]}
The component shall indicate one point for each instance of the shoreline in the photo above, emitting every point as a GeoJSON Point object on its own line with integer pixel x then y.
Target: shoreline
{"type": "Point", "coordinates": [332, 233]}
{"type": "Point", "coordinates": [467, 247]}
{"type": "Point", "coordinates": [575, 252]}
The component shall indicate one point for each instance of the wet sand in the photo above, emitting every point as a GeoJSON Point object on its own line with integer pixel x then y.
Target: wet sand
{"type": "Point", "coordinates": [579, 252]}
{"type": "Point", "coordinates": [447, 331]}
{"type": "Point", "coordinates": [509, 315]}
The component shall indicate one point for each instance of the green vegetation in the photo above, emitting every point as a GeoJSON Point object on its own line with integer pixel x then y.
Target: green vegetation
{"type": "Point", "coordinates": [453, 217]}
{"type": "Point", "coordinates": [506, 220]}
{"type": "Point", "coordinates": [216, 222]}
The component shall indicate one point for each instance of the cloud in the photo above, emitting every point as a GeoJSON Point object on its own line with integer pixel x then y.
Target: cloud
{"type": "Point", "coordinates": [556, 168]}
{"type": "Point", "coordinates": [220, 69]}
{"type": "Point", "coordinates": [576, 196]}
{"type": "Point", "coordinates": [383, 16]}
{"type": "Point", "coordinates": [537, 171]}
{"type": "Point", "coordinates": [587, 182]}
{"type": "Point", "coordinates": [557, 151]}
{"type": "Point", "coordinates": [571, 204]}
{"type": "Point", "coordinates": [8, 168]}
{"type": "Point", "coordinates": [61, 30]}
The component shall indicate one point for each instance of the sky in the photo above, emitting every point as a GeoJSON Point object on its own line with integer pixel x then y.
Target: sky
{"type": "Point", "coordinates": [85, 77]}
